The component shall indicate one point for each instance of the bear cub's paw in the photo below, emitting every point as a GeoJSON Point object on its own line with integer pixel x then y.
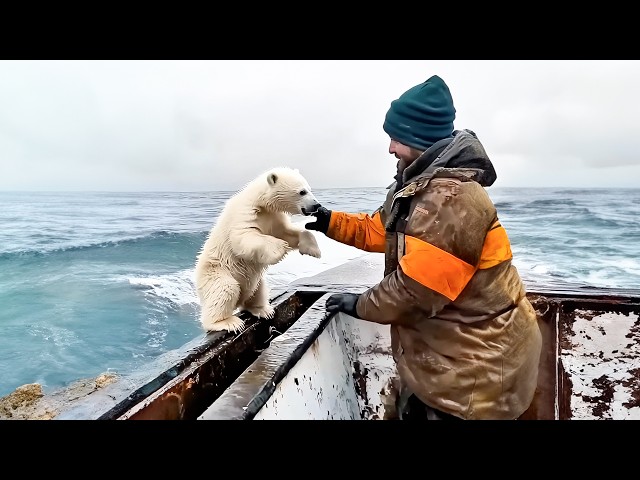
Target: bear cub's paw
{"type": "Point", "coordinates": [274, 251]}
{"type": "Point", "coordinates": [232, 324]}
{"type": "Point", "coordinates": [266, 311]}
{"type": "Point", "coordinates": [308, 245]}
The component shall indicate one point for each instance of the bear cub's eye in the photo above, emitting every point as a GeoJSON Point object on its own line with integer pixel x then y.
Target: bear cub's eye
{"type": "Point", "coordinates": [303, 193]}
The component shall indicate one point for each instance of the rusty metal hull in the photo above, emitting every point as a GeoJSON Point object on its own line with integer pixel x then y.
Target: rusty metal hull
{"type": "Point", "coordinates": [341, 368]}
{"type": "Point", "coordinates": [336, 368]}
{"type": "Point", "coordinates": [200, 379]}
{"type": "Point", "coordinates": [589, 368]}
{"type": "Point", "coordinates": [304, 364]}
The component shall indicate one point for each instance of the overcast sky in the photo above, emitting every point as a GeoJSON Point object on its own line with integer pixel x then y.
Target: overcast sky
{"type": "Point", "coordinates": [215, 124]}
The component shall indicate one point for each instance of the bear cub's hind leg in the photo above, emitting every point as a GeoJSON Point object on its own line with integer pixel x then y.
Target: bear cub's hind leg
{"type": "Point", "coordinates": [219, 296]}
{"type": "Point", "coordinates": [258, 304]}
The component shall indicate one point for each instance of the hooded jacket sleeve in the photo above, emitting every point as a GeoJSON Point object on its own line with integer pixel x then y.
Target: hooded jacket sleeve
{"type": "Point", "coordinates": [359, 230]}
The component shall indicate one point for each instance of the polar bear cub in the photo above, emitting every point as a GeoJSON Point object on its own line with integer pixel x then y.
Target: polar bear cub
{"type": "Point", "coordinates": [253, 231]}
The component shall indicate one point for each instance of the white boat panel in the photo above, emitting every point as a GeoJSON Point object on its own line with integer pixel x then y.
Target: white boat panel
{"type": "Point", "coordinates": [322, 367]}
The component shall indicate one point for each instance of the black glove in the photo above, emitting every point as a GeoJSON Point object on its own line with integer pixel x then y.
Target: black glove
{"type": "Point", "coordinates": [321, 223]}
{"type": "Point", "coordinates": [342, 302]}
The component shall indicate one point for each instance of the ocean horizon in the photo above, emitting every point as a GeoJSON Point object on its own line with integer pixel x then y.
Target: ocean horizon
{"type": "Point", "coordinates": [95, 282]}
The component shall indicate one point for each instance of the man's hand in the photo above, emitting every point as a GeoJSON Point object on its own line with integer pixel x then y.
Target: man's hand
{"type": "Point", "coordinates": [342, 302]}
{"type": "Point", "coordinates": [321, 223]}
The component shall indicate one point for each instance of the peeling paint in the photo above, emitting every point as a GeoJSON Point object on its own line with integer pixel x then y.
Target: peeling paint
{"type": "Point", "coordinates": [599, 351]}
{"type": "Point", "coordinates": [351, 366]}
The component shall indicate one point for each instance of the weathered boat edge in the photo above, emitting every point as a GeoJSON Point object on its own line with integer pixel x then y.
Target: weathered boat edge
{"type": "Point", "coordinates": [183, 385]}
{"type": "Point", "coordinates": [252, 393]}
{"type": "Point", "coordinates": [256, 384]}
{"type": "Point", "coordinates": [556, 311]}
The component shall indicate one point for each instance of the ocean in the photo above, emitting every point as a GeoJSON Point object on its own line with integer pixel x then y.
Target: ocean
{"type": "Point", "coordinates": [103, 282]}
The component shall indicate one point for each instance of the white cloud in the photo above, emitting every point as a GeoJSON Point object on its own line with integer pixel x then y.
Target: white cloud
{"type": "Point", "coordinates": [208, 125]}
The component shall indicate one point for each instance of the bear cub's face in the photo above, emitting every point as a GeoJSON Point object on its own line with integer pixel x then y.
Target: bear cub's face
{"type": "Point", "coordinates": [291, 193]}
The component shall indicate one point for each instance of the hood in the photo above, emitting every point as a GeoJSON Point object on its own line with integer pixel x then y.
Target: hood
{"type": "Point", "coordinates": [462, 150]}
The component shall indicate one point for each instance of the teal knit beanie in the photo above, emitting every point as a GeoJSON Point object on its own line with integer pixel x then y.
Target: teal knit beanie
{"type": "Point", "coordinates": [422, 115]}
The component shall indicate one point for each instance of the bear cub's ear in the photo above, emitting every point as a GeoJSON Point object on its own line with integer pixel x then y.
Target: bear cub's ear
{"type": "Point", "coordinates": [272, 178]}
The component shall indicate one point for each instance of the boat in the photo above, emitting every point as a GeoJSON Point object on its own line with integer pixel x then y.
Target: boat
{"type": "Point", "coordinates": [306, 364]}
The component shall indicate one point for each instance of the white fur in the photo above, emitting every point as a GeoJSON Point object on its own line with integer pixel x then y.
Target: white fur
{"type": "Point", "coordinates": [253, 231]}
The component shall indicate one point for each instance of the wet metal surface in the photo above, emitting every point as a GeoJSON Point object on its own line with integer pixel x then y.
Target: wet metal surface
{"type": "Point", "coordinates": [341, 376]}
{"type": "Point", "coordinates": [335, 369]}
{"type": "Point", "coordinates": [249, 392]}
{"type": "Point", "coordinates": [588, 368]}
{"type": "Point", "coordinates": [195, 383]}
{"type": "Point", "coordinates": [600, 360]}
{"type": "Point", "coordinates": [354, 276]}
{"type": "Point", "coordinates": [368, 346]}
{"type": "Point", "coordinates": [319, 386]}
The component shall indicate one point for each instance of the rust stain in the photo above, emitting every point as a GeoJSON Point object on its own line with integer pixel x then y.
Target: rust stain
{"type": "Point", "coordinates": [315, 348]}
{"type": "Point", "coordinates": [603, 401]}
{"type": "Point", "coordinates": [633, 384]}
{"type": "Point", "coordinates": [595, 363]}
{"type": "Point", "coordinates": [360, 373]}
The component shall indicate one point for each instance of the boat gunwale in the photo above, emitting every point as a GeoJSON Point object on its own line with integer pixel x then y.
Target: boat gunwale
{"type": "Point", "coordinates": [263, 392]}
{"type": "Point", "coordinates": [560, 303]}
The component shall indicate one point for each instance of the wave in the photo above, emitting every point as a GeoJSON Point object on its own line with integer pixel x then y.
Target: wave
{"type": "Point", "coordinates": [561, 202]}
{"type": "Point", "coordinates": [124, 241]}
{"type": "Point", "coordinates": [579, 219]}
{"type": "Point", "coordinates": [174, 289]}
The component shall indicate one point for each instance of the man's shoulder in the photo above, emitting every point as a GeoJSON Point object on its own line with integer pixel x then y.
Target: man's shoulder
{"type": "Point", "coordinates": [452, 183]}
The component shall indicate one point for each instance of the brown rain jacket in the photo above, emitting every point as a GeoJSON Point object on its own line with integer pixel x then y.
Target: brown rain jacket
{"type": "Point", "coordinates": [464, 336]}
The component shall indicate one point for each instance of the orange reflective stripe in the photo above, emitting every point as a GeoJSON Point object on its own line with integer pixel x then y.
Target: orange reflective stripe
{"type": "Point", "coordinates": [434, 268]}
{"type": "Point", "coordinates": [497, 247]}
{"type": "Point", "coordinates": [358, 229]}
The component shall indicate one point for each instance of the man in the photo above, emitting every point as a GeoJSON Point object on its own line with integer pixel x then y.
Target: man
{"type": "Point", "coordinates": [465, 339]}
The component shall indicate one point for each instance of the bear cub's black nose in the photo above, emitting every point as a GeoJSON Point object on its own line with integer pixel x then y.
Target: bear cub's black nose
{"type": "Point", "coordinates": [311, 210]}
